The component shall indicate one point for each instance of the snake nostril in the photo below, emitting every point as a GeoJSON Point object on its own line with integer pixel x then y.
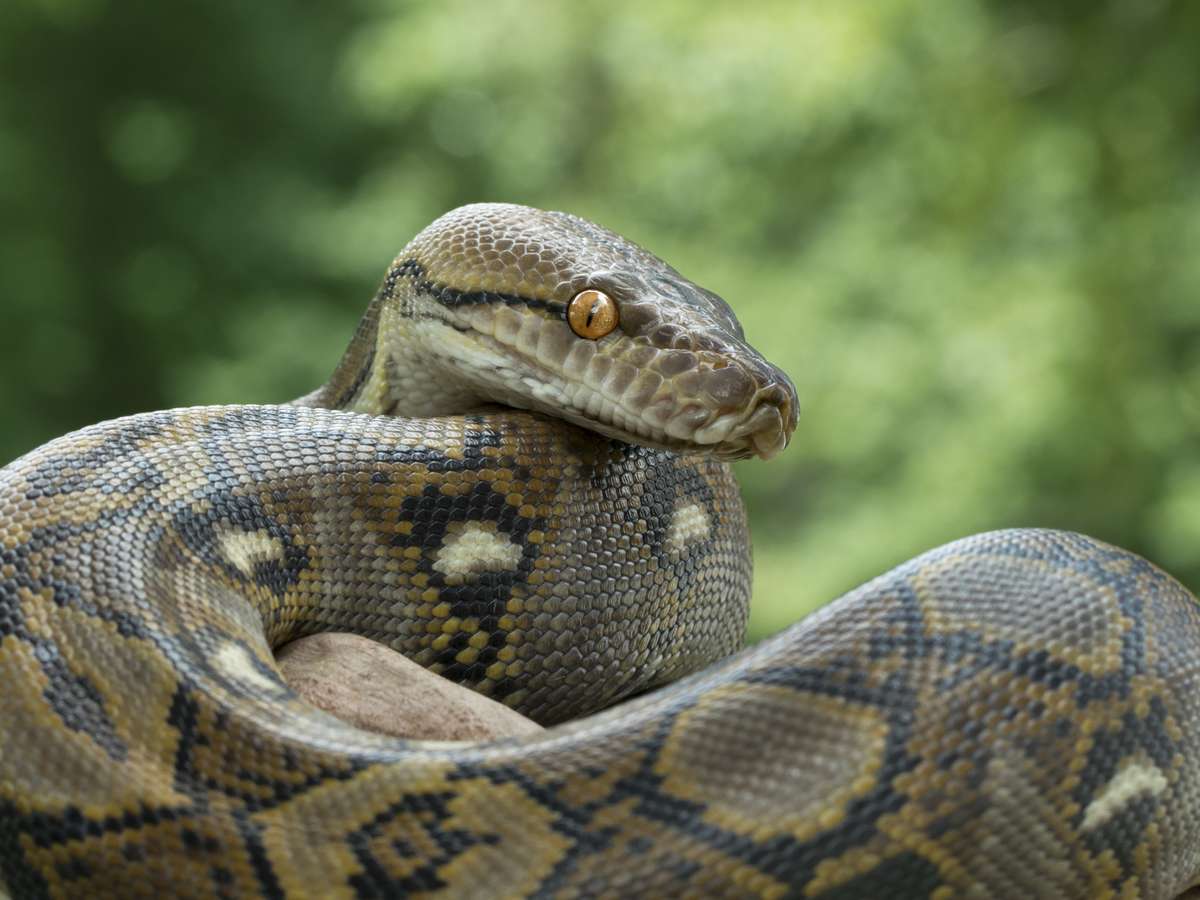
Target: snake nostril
{"type": "Point", "coordinates": [783, 398]}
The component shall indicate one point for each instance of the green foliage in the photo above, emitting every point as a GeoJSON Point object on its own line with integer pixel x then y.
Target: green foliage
{"type": "Point", "coordinates": [967, 228]}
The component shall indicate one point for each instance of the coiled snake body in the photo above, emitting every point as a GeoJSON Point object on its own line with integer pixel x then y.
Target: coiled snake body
{"type": "Point", "coordinates": [1012, 715]}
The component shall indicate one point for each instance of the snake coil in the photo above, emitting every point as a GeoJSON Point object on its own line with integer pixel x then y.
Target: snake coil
{"type": "Point", "coordinates": [517, 476]}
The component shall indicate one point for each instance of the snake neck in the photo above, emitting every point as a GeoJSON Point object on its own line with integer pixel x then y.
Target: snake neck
{"type": "Point", "coordinates": [387, 369]}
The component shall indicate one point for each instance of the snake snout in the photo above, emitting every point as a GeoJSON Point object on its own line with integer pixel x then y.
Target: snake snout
{"type": "Point", "coordinates": [756, 421]}
{"type": "Point", "coordinates": [700, 391]}
{"type": "Point", "coordinates": [769, 427]}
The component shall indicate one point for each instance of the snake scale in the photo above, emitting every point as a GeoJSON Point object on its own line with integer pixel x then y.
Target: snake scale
{"type": "Point", "coordinates": [517, 476]}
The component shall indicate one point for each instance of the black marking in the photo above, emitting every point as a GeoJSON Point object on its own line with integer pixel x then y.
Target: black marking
{"type": "Point", "coordinates": [12, 617]}
{"type": "Point", "coordinates": [184, 717]}
{"type": "Point", "coordinates": [1122, 835]}
{"type": "Point", "coordinates": [661, 485]}
{"type": "Point", "coordinates": [19, 829]}
{"type": "Point", "coordinates": [781, 857]}
{"type": "Point", "coordinates": [848, 678]}
{"type": "Point", "coordinates": [430, 515]}
{"type": "Point", "coordinates": [16, 874]}
{"type": "Point", "coordinates": [210, 641]}
{"type": "Point", "coordinates": [351, 391]}
{"type": "Point", "coordinates": [56, 474]}
{"type": "Point", "coordinates": [256, 790]}
{"type": "Point", "coordinates": [221, 876]}
{"type": "Point", "coordinates": [73, 869]}
{"type": "Point", "coordinates": [76, 700]}
{"type": "Point", "coordinates": [251, 836]}
{"type": "Point", "coordinates": [969, 653]}
{"type": "Point", "coordinates": [903, 875]}
{"type": "Point", "coordinates": [135, 853]}
{"type": "Point", "coordinates": [431, 811]}
{"type": "Point", "coordinates": [409, 268]}
{"type": "Point", "coordinates": [844, 678]}
{"type": "Point", "coordinates": [228, 510]}
{"type": "Point", "coordinates": [69, 595]}
{"type": "Point", "coordinates": [52, 576]}
{"type": "Point", "coordinates": [479, 437]}
{"type": "Point", "coordinates": [1110, 749]}
{"type": "Point", "coordinates": [572, 821]}
{"type": "Point", "coordinates": [453, 298]}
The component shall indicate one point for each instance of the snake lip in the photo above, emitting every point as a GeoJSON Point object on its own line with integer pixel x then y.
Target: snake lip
{"type": "Point", "coordinates": [761, 427]}
{"type": "Point", "coordinates": [721, 406]}
{"type": "Point", "coordinates": [502, 373]}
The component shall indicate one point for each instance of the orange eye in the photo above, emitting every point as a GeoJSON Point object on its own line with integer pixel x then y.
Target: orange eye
{"type": "Point", "coordinates": [592, 314]}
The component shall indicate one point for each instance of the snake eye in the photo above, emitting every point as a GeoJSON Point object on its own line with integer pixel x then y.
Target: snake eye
{"type": "Point", "coordinates": [592, 314]}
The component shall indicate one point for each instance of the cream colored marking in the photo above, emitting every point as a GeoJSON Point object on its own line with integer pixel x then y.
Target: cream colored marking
{"type": "Point", "coordinates": [690, 523]}
{"type": "Point", "coordinates": [245, 549]}
{"type": "Point", "coordinates": [235, 661]}
{"type": "Point", "coordinates": [474, 550]}
{"type": "Point", "coordinates": [1132, 779]}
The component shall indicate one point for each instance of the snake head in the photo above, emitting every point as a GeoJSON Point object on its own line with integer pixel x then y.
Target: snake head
{"type": "Point", "coordinates": [550, 312]}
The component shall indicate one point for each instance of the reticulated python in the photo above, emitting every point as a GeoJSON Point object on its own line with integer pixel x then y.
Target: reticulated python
{"type": "Point", "coordinates": [1013, 715]}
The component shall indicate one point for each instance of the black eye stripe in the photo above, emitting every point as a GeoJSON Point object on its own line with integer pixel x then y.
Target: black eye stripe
{"type": "Point", "coordinates": [453, 298]}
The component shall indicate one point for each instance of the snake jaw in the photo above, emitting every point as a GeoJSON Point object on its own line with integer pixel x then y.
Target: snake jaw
{"type": "Point", "coordinates": [743, 413]}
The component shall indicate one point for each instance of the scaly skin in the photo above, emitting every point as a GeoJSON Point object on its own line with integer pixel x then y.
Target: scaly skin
{"type": "Point", "coordinates": [1012, 715]}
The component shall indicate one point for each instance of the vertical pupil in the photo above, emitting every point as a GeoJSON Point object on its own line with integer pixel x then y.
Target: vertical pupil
{"type": "Point", "coordinates": [593, 311]}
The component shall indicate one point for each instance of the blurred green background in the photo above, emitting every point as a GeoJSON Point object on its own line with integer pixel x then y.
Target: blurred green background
{"type": "Point", "coordinates": [969, 229]}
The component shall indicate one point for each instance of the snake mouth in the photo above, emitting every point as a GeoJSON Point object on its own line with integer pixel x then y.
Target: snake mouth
{"type": "Point", "coordinates": [760, 430]}
{"type": "Point", "coordinates": [731, 405]}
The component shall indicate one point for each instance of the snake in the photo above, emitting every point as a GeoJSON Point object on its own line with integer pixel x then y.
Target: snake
{"type": "Point", "coordinates": [519, 475]}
